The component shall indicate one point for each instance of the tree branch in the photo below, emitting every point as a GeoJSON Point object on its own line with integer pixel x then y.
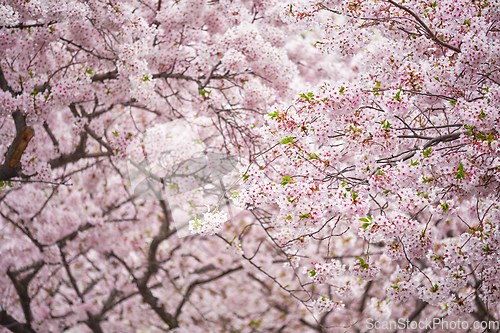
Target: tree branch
{"type": "Point", "coordinates": [25, 26]}
{"type": "Point", "coordinates": [5, 86]}
{"type": "Point", "coordinates": [106, 76]}
{"type": "Point", "coordinates": [12, 324]}
{"type": "Point", "coordinates": [142, 283]}
{"type": "Point", "coordinates": [78, 154]}
{"type": "Point", "coordinates": [430, 34]}
{"type": "Point", "coordinates": [199, 282]}
{"type": "Point", "coordinates": [22, 288]}
{"type": "Point", "coordinates": [12, 166]}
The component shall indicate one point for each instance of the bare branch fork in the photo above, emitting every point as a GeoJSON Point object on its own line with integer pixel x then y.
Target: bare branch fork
{"type": "Point", "coordinates": [152, 268]}
{"type": "Point", "coordinates": [21, 286]}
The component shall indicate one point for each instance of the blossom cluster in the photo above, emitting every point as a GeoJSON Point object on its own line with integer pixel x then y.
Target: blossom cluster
{"type": "Point", "coordinates": [325, 304]}
{"type": "Point", "coordinates": [324, 272]}
{"type": "Point", "coordinates": [212, 223]}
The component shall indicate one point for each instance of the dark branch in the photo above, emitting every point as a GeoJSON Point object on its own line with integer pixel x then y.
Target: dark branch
{"type": "Point", "coordinates": [12, 166]}
{"type": "Point", "coordinates": [78, 154]}
{"type": "Point", "coordinates": [200, 282]}
{"type": "Point", "coordinates": [21, 287]}
{"type": "Point", "coordinates": [106, 76]}
{"type": "Point", "coordinates": [142, 283]}
{"type": "Point", "coordinates": [5, 86]}
{"type": "Point", "coordinates": [430, 34]}
{"type": "Point", "coordinates": [25, 26]}
{"type": "Point", "coordinates": [12, 324]}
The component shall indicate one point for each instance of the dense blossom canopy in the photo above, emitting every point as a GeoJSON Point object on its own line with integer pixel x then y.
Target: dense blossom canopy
{"type": "Point", "coordinates": [248, 166]}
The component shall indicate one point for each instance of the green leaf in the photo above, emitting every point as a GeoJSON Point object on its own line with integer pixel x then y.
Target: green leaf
{"type": "Point", "coordinates": [245, 177]}
{"type": "Point", "coordinates": [427, 152]}
{"type": "Point", "coordinates": [366, 225]}
{"type": "Point", "coordinates": [286, 180]}
{"type": "Point", "coordinates": [205, 93]}
{"type": "Point", "coordinates": [342, 89]}
{"type": "Point", "coordinates": [453, 102]}
{"type": "Point", "coordinates": [274, 114]}
{"type": "Point", "coordinates": [460, 174]}
{"type": "Point", "coordinates": [2, 184]}
{"type": "Point", "coordinates": [115, 133]}
{"type": "Point", "coordinates": [309, 96]}
{"type": "Point", "coordinates": [364, 220]}
{"type": "Point", "coordinates": [313, 156]}
{"type": "Point", "coordinates": [426, 180]}
{"type": "Point", "coordinates": [398, 96]}
{"type": "Point", "coordinates": [287, 140]}
{"type": "Point", "coordinates": [362, 263]}
{"type": "Point", "coordinates": [386, 125]}
{"type": "Point", "coordinates": [234, 194]}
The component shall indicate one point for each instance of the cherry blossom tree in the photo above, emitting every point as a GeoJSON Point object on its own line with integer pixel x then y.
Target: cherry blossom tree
{"type": "Point", "coordinates": [347, 153]}
{"type": "Point", "coordinates": [86, 87]}
{"type": "Point", "coordinates": [385, 180]}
